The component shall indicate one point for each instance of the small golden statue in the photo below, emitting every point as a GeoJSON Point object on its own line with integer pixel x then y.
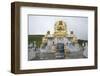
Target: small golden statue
{"type": "Point", "coordinates": [74, 38]}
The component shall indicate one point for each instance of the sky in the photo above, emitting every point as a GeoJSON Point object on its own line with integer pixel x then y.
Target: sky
{"type": "Point", "coordinates": [40, 24]}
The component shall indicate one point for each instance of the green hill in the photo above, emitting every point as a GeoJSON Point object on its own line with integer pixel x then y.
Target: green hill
{"type": "Point", "coordinates": [37, 38]}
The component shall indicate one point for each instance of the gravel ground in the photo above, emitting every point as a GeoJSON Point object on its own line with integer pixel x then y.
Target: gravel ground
{"type": "Point", "coordinates": [51, 56]}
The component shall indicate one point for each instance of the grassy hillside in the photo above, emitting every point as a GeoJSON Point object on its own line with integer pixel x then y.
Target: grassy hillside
{"type": "Point", "coordinates": [37, 38]}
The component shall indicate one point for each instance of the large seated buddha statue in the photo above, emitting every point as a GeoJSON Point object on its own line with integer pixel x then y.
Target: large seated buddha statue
{"type": "Point", "coordinates": [60, 29]}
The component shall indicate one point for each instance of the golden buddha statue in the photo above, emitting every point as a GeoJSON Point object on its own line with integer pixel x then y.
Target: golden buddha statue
{"type": "Point", "coordinates": [60, 29]}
